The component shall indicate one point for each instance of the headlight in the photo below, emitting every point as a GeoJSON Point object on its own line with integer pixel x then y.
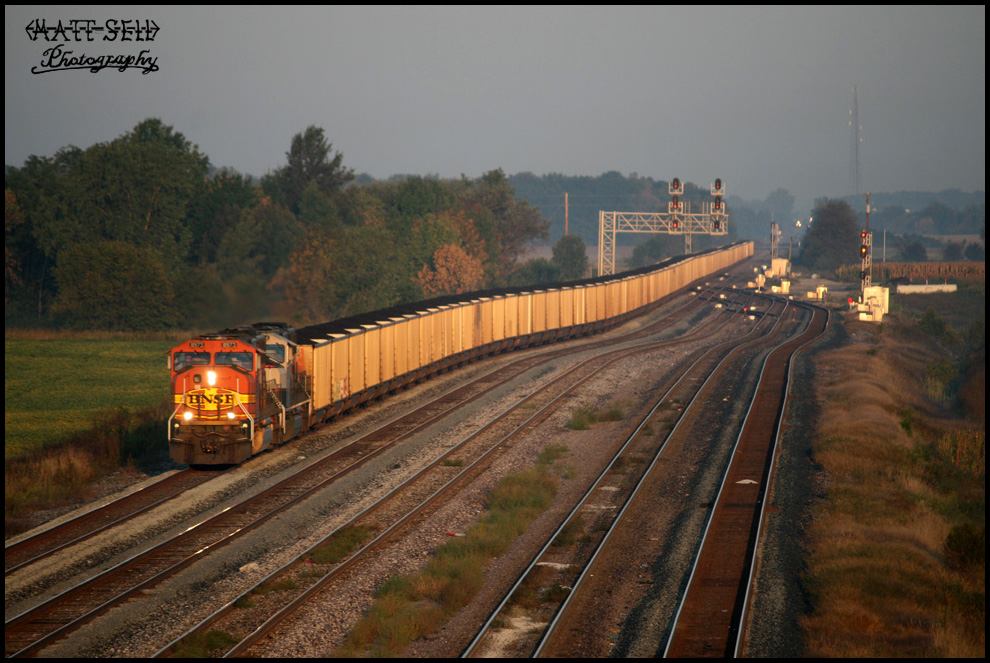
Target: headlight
{"type": "Point", "coordinates": [211, 377]}
{"type": "Point", "coordinates": [230, 415]}
{"type": "Point", "coordinates": [188, 415]}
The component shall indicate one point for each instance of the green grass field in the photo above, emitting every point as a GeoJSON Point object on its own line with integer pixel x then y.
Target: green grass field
{"type": "Point", "coordinates": [54, 387]}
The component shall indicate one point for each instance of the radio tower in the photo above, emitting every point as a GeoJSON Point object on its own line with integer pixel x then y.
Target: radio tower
{"type": "Point", "coordinates": [854, 155]}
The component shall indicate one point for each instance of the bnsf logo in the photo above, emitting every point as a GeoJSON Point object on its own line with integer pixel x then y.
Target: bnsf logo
{"type": "Point", "coordinates": [201, 399]}
{"type": "Point", "coordinates": [213, 399]}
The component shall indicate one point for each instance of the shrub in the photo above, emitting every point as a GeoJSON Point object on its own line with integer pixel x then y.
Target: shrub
{"type": "Point", "coordinates": [341, 544]}
{"type": "Point", "coordinates": [965, 546]}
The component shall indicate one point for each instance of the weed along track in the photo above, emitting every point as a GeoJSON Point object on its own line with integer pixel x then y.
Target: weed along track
{"type": "Point", "coordinates": [185, 567]}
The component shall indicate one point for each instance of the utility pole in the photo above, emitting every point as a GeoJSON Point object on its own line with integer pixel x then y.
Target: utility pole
{"type": "Point", "coordinates": [854, 155]}
{"type": "Point", "coordinates": [565, 216]}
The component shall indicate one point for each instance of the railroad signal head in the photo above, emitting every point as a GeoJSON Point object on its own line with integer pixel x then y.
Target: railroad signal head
{"type": "Point", "coordinates": [675, 186]}
{"type": "Point", "coordinates": [863, 250]}
{"type": "Point", "coordinates": [718, 184]}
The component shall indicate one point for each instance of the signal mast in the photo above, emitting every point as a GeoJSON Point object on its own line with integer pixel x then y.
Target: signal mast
{"type": "Point", "coordinates": [866, 253]}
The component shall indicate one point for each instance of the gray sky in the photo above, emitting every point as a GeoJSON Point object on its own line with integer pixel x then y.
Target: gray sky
{"type": "Point", "coordinates": [760, 97]}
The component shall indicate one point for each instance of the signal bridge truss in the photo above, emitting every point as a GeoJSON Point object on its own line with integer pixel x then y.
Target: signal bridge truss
{"type": "Point", "coordinates": [709, 222]}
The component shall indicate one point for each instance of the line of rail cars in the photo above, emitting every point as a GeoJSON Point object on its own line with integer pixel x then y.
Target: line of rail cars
{"type": "Point", "coordinates": [241, 391]}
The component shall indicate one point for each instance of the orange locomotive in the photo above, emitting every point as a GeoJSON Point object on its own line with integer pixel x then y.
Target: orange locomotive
{"type": "Point", "coordinates": [236, 393]}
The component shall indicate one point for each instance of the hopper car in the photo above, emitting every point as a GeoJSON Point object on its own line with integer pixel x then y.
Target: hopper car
{"type": "Point", "coordinates": [241, 391]}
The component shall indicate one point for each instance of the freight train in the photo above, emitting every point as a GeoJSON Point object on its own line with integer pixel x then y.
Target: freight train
{"type": "Point", "coordinates": [241, 391]}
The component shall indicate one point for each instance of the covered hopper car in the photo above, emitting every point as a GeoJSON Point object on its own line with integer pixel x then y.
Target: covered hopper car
{"type": "Point", "coordinates": [244, 390]}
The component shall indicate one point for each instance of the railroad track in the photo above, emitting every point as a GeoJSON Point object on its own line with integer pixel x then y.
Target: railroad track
{"type": "Point", "coordinates": [603, 580]}
{"type": "Point", "coordinates": [393, 516]}
{"type": "Point", "coordinates": [31, 631]}
{"type": "Point", "coordinates": [562, 566]}
{"type": "Point", "coordinates": [710, 619]}
{"type": "Point", "coordinates": [35, 548]}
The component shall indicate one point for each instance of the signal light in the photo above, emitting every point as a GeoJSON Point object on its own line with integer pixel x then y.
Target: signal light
{"type": "Point", "coordinates": [674, 204]}
{"type": "Point", "coordinates": [862, 276]}
{"type": "Point", "coordinates": [863, 250]}
{"type": "Point", "coordinates": [676, 224]}
{"type": "Point", "coordinates": [675, 185]}
{"type": "Point", "coordinates": [718, 184]}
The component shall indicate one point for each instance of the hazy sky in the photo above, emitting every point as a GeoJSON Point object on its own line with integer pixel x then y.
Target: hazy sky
{"type": "Point", "coordinates": [760, 97]}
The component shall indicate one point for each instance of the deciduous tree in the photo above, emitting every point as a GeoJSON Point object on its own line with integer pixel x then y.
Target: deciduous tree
{"type": "Point", "coordinates": [306, 290]}
{"type": "Point", "coordinates": [571, 255]}
{"type": "Point", "coordinates": [115, 286]}
{"type": "Point", "coordinates": [505, 223]}
{"type": "Point", "coordinates": [535, 272]}
{"type": "Point", "coordinates": [215, 208]}
{"type": "Point", "coordinates": [13, 218]}
{"type": "Point", "coordinates": [309, 160]}
{"type": "Point", "coordinates": [453, 271]}
{"type": "Point", "coordinates": [834, 237]}
{"type": "Point", "coordinates": [261, 242]}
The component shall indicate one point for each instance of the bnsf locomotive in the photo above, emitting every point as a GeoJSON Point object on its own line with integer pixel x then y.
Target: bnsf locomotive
{"type": "Point", "coordinates": [236, 392]}
{"type": "Point", "coordinates": [241, 391]}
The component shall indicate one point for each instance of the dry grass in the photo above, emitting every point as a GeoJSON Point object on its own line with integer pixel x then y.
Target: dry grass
{"type": "Point", "coordinates": [902, 476]}
{"type": "Point", "coordinates": [585, 417]}
{"type": "Point", "coordinates": [65, 474]}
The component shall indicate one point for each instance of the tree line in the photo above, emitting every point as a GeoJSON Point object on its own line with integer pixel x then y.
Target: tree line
{"type": "Point", "coordinates": [834, 237]}
{"type": "Point", "coordinates": [141, 233]}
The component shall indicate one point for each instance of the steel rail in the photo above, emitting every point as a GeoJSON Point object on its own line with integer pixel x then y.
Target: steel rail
{"type": "Point", "coordinates": [685, 376]}
{"type": "Point", "coordinates": [709, 632]}
{"type": "Point", "coordinates": [740, 641]}
{"type": "Point", "coordinates": [24, 552]}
